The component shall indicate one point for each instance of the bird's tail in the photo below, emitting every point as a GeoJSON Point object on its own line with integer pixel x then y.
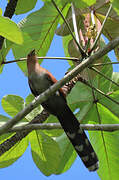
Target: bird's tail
{"type": "Point", "coordinates": [78, 139]}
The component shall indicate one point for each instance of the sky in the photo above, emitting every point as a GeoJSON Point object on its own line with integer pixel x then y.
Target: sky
{"type": "Point", "coordinates": [13, 81]}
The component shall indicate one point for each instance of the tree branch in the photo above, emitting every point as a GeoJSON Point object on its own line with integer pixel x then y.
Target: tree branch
{"type": "Point", "coordinates": [10, 142]}
{"type": "Point", "coordinates": [44, 96]}
{"type": "Point", "coordinates": [51, 126]}
{"type": "Point", "coordinates": [59, 58]}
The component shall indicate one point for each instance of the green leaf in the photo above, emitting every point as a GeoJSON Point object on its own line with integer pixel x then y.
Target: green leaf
{"type": "Point", "coordinates": [115, 78]}
{"type": "Point", "coordinates": [10, 30]}
{"type": "Point", "coordinates": [45, 152]}
{"type": "Point", "coordinates": [38, 31]}
{"type": "Point", "coordinates": [115, 5]}
{"type": "Point", "coordinates": [3, 52]}
{"type": "Point", "coordinates": [66, 40]}
{"type": "Point", "coordinates": [112, 106]}
{"type": "Point", "coordinates": [106, 145]}
{"type": "Point", "coordinates": [35, 111]}
{"type": "Point", "coordinates": [3, 118]}
{"type": "Point", "coordinates": [14, 153]}
{"type": "Point", "coordinates": [5, 136]}
{"type": "Point", "coordinates": [0, 12]}
{"type": "Point", "coordinates": [53, 133]}
{"type": "Point", "coordinates": [12, 104]}
{"type": "Point", "coordinates": [77, 94]}
{"type": "Point", "coordinates": [68, 154]}
{"type": "Point", "coordinates": [100, 81]}
{"type": "Point", "coordinates": [25, 6]}
{"type": "Point", "coordinates": [83, 3]}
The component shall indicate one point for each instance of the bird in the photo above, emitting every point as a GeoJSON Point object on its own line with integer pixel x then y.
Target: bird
{"type": "Point", "coordinates": [39, 80]}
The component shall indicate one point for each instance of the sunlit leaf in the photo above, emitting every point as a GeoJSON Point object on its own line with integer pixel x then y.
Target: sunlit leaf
{"type": "Point", "coordinates": [10, 30]}
{"type": "Point", "coordinates": [38, 30]}
{"type": "Point", "coordinates": [14, 153]}
{"type": "Point", "coordinates": [45, 152]}
{"type": "Point", "coordinates": [12, 104]}
{"type": "Point", "coordinates": [115, 5]}
{"type": "Point", "coordinates": [68, 154]}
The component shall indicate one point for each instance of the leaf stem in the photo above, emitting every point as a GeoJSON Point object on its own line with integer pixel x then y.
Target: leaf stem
{"type": "Point", "coordinates": [103, 64]}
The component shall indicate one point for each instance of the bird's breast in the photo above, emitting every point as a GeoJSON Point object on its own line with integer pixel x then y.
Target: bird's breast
{"type": "Point", "coordinates": [39, 82]}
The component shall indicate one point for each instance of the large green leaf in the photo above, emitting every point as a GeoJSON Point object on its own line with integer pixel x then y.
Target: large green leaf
{"type": "Point", "coordinates": [12, 104]}
{"type": "Point", "coordinates": [112, 106]}
{"type": "Point", "coordinates": [115, 78]}
{"type": "Point", "coordinates": [10, 30]}
{"type": "Point", "coordinates": [100, 82]}
{"type": "Point", "coordinates": [25, 6]}
{"type": "Point", "coordinates": [106, 145]}
{"type": "Point", "coordinates": [115, 5]}
{"type": "Point", "coordinates": [14, 153]}
{"type": "Point", "coordinates": [45, 152]}
{"type": "Point", "coordinates": [38, 30]}
{"type": "Point", "coordinates": [66, 40]}
{"type": "Point", "coordinates": [68, 154]}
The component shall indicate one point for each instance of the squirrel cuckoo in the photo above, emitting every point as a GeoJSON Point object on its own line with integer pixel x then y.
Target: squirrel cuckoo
{"type": "Point", "coordinates": [40, 80]}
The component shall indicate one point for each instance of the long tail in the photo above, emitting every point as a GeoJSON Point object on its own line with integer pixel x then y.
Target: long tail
{"type": "Point", "coordinates": [78, 139]}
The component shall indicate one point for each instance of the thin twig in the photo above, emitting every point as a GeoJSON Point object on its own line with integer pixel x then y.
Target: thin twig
{"type": "Point", "coordinates": [69, 28]}
{"type": "Point", "coordinates": [98, 90]}
{"type": "Point", "coordinates": [73, 73]}
{"type": "Point", "coordinates": [100, 32]}
{"type": "Point", "coordinates": [51, 126]}
{"type": "Point", "coordinates": [103, 75]}
{"type": "Point", "coordinates": [103, 64]}
{"type": "Point", "coordinates": [51, 58]}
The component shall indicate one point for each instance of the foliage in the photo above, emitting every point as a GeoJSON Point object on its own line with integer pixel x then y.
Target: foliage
{"type": "Point", "coordinates": [37, 31]}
